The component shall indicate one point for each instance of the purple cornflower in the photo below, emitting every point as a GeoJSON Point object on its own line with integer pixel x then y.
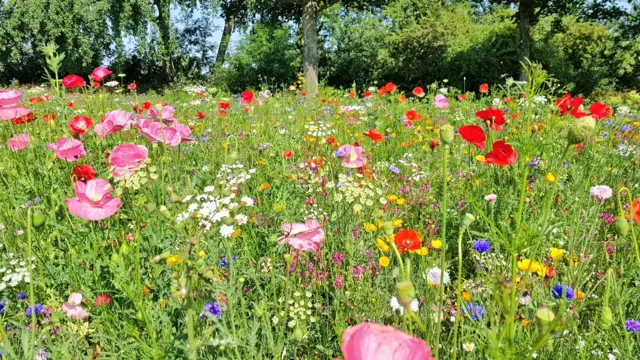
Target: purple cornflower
{"type": "Point", "coordinates": [533, 163]}
{"type": "Point", "coordinates": [213, 308]}
{"type": "Point", "coordinates": [475, 311]}
{"type": "Point", "coordinates": [394, 169]}
{"type": "Point", "coordinates": [632, 325]}
{"type": "Point", "coordinates": [38, 309]}
{"type": "Point", "coordinates": [481, 246]}
{"type": "Point", "coordinates": [625, 128]}
{"type": "Point", "coordinates": [559, 290]}
{"type": "Point", "coordinates": [22, 296]}
{"type": "Point", "coordinates": [339, 153]}
{"type": "Point", "coordinates": [358, 270]}
{"type": "Point", "coordinates": [3, 303]}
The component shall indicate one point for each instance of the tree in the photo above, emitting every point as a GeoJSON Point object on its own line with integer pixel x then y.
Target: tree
{"type": "Point", "coordinates": [306, 13]}
{"type": "Point", "coordinates": [235, 14]}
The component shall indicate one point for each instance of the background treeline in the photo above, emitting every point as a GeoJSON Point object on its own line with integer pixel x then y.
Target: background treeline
{"type": "Point", "coordinates": [587, 45]}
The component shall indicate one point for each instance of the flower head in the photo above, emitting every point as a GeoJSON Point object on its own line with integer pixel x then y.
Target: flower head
{"type": "Point", "coordinates": [407, 240]}
{"type": "Point", "coordinates": [93, 201]}
{"type": "Point", "coordinates": [213, 308]}
{"type": "Point", "coordinates": [306, 237]}
{"type": "Point", "coordinates": [600, 192]}
{"type": "Point", "coordinates": [632, 325]}
{"type": "Point", "coordinates": [369, 341]}
{"type": "Point", "coordinates": [68, 149]}
{"type": "Point", "coordinates": [559, 291]}
{"type": "Point", "coordinates": [481, 246]}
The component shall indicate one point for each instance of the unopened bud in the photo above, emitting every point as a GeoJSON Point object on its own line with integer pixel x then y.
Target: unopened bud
{"type": "Point", "coordinates": [467, 220]}
{"type": "Point", "coordinates": [446, 134]}
{"type": "Point", "coordinates": [405, 293]}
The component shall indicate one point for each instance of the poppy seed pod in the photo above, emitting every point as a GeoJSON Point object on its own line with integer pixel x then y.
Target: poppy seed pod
{"type": "Point", "coordinates": [38, 219]}
{"type": "Point", "coordinates": [405, 293]}
{"type": "Point", "coordinates": [581, 130]}
{"type": "Point", "coordinates": [606, 317]}
{"type": "Point", "coordinates": [467, 220]}
{"type": "Point", "coordinates": [622, 227]}
{"type": "Point", "coordinates": [446, 134]}
{"type": "Point", "coordinates": [387, 227]}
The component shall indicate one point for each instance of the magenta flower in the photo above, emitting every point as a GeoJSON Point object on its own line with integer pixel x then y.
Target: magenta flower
{"type": "Point", "coordinates": [441, 101]}
{"type": "Point", "coordinates": [114, 121]}
{"type": "Point", "coordinates": [72, 307]}
{"type": "Point", "coordinates": [125, 159]}
{"type": "Point", "coordinates": [353, 156]}
{"type": "Point", "coordinates": [100, 73]}
{"type": "Point", "coordinates": [14, 111]}
{"type": "Point", "coordinates": [304, 237]}
{"type": "Point", "coordinates": [9, 97]}
{"type": "Point", "coordinates": [68, 149]}
{"type": "Point", "coordinates": [369, 341]}
{"type": "Point", "coordinates": [166, 114]}
{"type": "Point", "coordinates": [157, 132]}
{"type": "Point", "coordinates": [18, 142]}
{"type": "Point", "coordinates": [93, 201]}
{"type": "Point", "coordinates": [184, 131]}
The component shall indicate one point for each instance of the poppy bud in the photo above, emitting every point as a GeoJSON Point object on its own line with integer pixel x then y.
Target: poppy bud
{"type": "Point", "coordinates": [622, 227]}
{"type": "Point", "coordinates": [228, 220]}
{"type": "Point", "coordinates": [298, 334]}
{"type": "Point", "coordinates": [446, 134]}
{"type": "Point", "coordinates": [165, 212]}
{"type": "Point", "coordinates": [405, 293]}
{"type": "Point", "coordinates": [38, 219]}
{"type": "Point", "coordinates": [467, 220]}
{"type": "Point", "coordinates": [544, 318]}
{"type": "Point", "coordinates": [387, 227]}
{"type": "Point", "coordinates": [581, 130]}
{"type": "Point", "coordinates": [287, 258]}
{"type": "Point", "coordinates": [233, 156]}
{"type": "Point", "coordinates": [125, 249]}
{"type": "Point", "coordinates": [606, 317]}
{"type": "Point", "coordinates": [150, 207]}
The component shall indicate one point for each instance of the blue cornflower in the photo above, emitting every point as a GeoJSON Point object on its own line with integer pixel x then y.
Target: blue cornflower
{"type": "Point", "coordinates": [339, 153]}
{"type": "Point", "coordinates": [234, 257]}
{"type": "Point", "coordinates": [3, 303]}
{"type": "Point", "coordinates": [475, 311]}
{"type": "Point", "coordinates": [38, 309]}
{"type": "Point", "coordinates": [632, 325]}
{"type": "Point", "coordinates": [605, 135]}
{"type": "Point", "coordinates": [481, 246]}
{"type": "Point", "coordinates": [224, 262]}
{"type": "Point", "coordinates": [394, 169]}
{"type": "Point", "coordinates": [560, 289]}
{"type": "Point", "coordinates": [533, 163]}
{"type": "Point", "coordinates": [625, 128]}
{"type": "Point", "coordinates": [213, 308]}
{"type": "Point", "coordinates": [22, 296]}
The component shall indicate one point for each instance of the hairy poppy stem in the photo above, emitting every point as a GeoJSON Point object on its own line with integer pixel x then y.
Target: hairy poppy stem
{"type": "Point", "coordinates": [459, 305]}
{"type": "Point", "coordinates": [445, 158]}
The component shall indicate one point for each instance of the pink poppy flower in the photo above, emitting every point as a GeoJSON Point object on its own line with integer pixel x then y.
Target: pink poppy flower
{"type": "Point", "coordinates": [158, 132]}
{"type": "Point", "coordinates": [9, 97]}
{"type": "Point", "coordinates": [68, 149]}
{"type": "Point", "coordinates": [11, 112]}
{"type": "Point", "coordinates": [93, 201]}
{"type": "Point", "coordinates": [441, 101]}
{"type": "Point", "coordinates": [114, 121]}
{"type": "Point", "coordinates": [184, 131]}
{"type": "Point", "coordinates": [304, 237]}
{"type": "Point", "coordinates": [18, 142]}
{"type": "Point", "coordinates": [125, 159]}
{"type": "Point", "coordinates": [100, 73]}
{"type": "Point", "coordinates": [353, 156]}
{"type": "Point", "coordinates": [369, 341]}
{"type": "Point", "coordinates": [72, 307]}
{"type": "Point", "coordinates": [166, 114]}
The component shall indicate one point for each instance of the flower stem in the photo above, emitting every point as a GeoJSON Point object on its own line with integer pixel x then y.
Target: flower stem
{"type": "Point", "coordinates": [459, 296]}
{"type": "Point", "coordinates": [552, 194]}
{"type": "Point", "coordinates": [443, 207]}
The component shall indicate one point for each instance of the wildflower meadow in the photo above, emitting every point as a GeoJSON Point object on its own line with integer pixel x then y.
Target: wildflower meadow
{"type": "Point", "coordinates": [499, 222]}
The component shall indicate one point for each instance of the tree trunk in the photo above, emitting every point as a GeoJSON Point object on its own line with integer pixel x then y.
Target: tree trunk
{"type": "Point", "coordinates": [229, 22]}
{"type": "Point", "coordinates": [164, 26]}
{"type": "Point", "coordinates": [310, 46]}
{"type": "Point", "coordinates": [526, 9]}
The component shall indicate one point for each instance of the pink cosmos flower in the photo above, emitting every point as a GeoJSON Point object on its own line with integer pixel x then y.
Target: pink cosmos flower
{"type": "Point", "coordinates": [93, 201]}
{"type": "Point", "coordinates": [18, 142]}
{"type": "Point", "coordinates": [166, 114]}
{"type": "Point", "coordinates": [441, 101]}
{"type": "Point", "coordinates": [114, 121]}
{"type": "Point", "coordinates": [125, 159]}
{"type": "Point", "coordinates": [369, 341]}
{"type": "Point", "coordinates": [304, 237]}
{"type": "Point", "coordinates": [68, 149]}
{"type": "Point", "coordinates": [353, 156]}
{"type": "Point", "coordinates": [9, 97]}
{"type": "Point", "coordinates": [158, 132]}
{"type": "Point", "coordinates": [72, 307]}
{"type": "Point", "coordinates": [100, 73]}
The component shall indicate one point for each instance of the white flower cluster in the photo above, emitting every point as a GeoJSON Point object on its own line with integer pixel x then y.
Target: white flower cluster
{"type": "Point", "coordinates": [626, 150]}
{"type": "Point", "coordinates": [417, 175]}
{"type": "Point", "coordinates": [230, 176]}
{"type": "Point", "coordinates": [319, 129]}
{"type": "Point", "coordinates": [112, 83]}
{"type": "Point", "coordinates": [300, 310]}
{"type": "Point", "coordinates": [356, 190]}
{"type": "Point", "coordinates": [13, 271]}
{"type": "Point", "coordinates": [195, 89]}
{"type": "Point", "coordinates": [140, 177]}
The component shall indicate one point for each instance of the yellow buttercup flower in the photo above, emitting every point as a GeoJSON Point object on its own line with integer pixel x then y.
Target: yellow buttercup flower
{"type": "Point", "coordinates": [557, 254]}
{"type": "Point", "coordinates": [550, 177]}
{"type": "Point", "coordinates": [436, 244]}
{"type": "Point", "coordinates": [524, 265]}
{"type": "Point", "coordinates": [480, 158]}
{"type": "Point", "coordinates": [392, 198]}
{"type": "Point", "coordinates": [397, 223]}
{"type": "Point", "coordinates": [401, 201]}
{"type": "Point", "coordinates": [264, 186]}
{"type": "Point", "coordinates": [423, 251]}
{"type": "Point", "coordinates": [382, 245]}
{"type": "Point", "coordinates": [466, 296]}
{"type": "Point", "coordinates": [384, 261]}
{"type": "Point", "coordinates": [370, 227]}
{"type": "Point", "coordinates": [380, 223]}
{"type": "Point", "coordinates": [174, 260]}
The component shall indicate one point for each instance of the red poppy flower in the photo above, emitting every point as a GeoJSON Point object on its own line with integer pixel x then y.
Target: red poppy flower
{"type": "Point", "coordinates": [79, 125]}
{"type": "Point", "coordinates": [484, 88]}
{"type": "Point", "coordinates": [351, 94]}
{"type": "Point", "coordinates": [71, 81]}
{"type": "Point", "coordinates": [473, 135]}
{"type": "Point", "coordinates": [132, 86]}
{"type": "Point", "coordinates": [462, 97]}
{"type": "Point", "coordinates": [600, 111]}
{"type": "Point", "coordinates": [201, 95]}
{"type": "Point", "coordinates": [382, 91]}
{"type": "Point", "coordinates": [100, 73]}
{"type": "Point", "coordinates": [434, 144]}
{"type": "Point", "coordinates": [82, 173]}
{"type": "Point", "coordinates": [390, 87]}
{"type": "Point", "coordinates": [24, 119]}
{"type": "Point", "coordinates": [374, 135]}
{"type": "Point", "coordinates": [412, 115]}
{"type": "Point", "coordinates": [102, 299]}
{"type": "Point", "coordinates": [567, 104]}
{"type": "Point", "coordinates": [224, 105]}
{"type": "Point", "coordinates": [367, 94]}
{"type": "Point", "coordinates": [418, 91]}
{"type": "Point", "coordinates": [407, 240]}
{"type": "Point", "coordinates": [551, 272]}
{"type": "Point", "coordinates": [200, 115]}
{"type": "Point", "coordinates": [95, 84]}
{"type": "Point", "coordinates": [635, 210]}
{"type": "Point", "coordinates": [331, 140]}
{"type": "Point", "coordinates": [402, 99]}
{"type": "Point", "coordinates": [36, 100]}
{"type": "Point", "coordinates": [493, 117]}
{"type": "Point", "coordinates": [146, 105]}
{"type": "Point", "coordinates": [49, 117]}
{"type": "Point", "coordinates": [287, 154]}
{"type": "Point", "coordinates": [247, 97]}
{"type": "Point", "coordinates": [71, 104]}
{"type": "Point", "coordinates": [501, 154]}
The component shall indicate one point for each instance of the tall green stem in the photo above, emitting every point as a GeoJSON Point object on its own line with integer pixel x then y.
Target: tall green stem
{"type": "Point", "coordinates": [443, 207]}
{"type": "Point", "coordinates": [32, 299]}
{"type": "Point", "coordinates": [552, 194]}
{"type": "Point", "coordinates": [460, 305]}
